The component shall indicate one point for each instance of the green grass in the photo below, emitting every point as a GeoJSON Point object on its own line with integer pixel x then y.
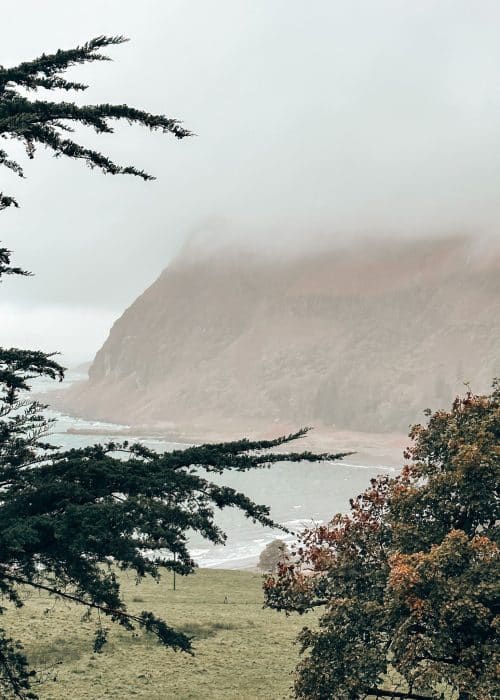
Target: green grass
{"type": "Point", "coordinates": [241, 649]}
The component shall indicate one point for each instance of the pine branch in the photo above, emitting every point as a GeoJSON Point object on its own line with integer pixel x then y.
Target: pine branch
{"type": "Point", "coordinates": [5, 267]}
{"type": "Point", "coordinates": [66, 147]}
{"type": "Point", "coordinates": [18, 114]}
{"type": "Point", "coordinates": [11, 164]}
{"type": "Point", "coordinates": [6, 201]}
{"type": "Point", "coordinates": [43, 71]}
{"type": "Point", "coordinates": [42, 122]}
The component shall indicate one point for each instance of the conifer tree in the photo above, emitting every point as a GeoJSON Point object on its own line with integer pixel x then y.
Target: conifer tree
{"type": "Point", "coordinates": [69, 520]}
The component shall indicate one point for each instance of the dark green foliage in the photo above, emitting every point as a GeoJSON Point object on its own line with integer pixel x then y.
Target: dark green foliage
{"type": "Point", "coordinates": [70, 519]}
{"type": "Point", "coordinates": [41, 122]}
{"type": "Point", "coordinates": [46, 123]}
{"type": "Point", "coordinates": [15, 675]}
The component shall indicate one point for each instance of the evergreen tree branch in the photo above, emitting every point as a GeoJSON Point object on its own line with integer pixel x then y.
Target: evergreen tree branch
{"type": "Point", "coordinates": [6, 201]}
{"type": "Point", "coordinates": [43, 71]}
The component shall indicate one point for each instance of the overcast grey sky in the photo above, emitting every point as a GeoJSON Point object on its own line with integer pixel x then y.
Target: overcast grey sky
{"type": "Point", "coordinates": [314, 119]}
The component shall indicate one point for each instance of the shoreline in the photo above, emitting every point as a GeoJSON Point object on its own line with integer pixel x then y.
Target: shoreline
{"type": "Point", "coordinates": [387, 448]}
{"type": "Point", "coordinates": [370, 451]}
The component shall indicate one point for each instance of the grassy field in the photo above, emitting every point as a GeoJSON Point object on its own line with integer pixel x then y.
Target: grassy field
{"type": "Point", "coordinates": [242, 650]}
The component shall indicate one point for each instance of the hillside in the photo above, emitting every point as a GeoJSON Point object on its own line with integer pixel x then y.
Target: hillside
{"type": "Point", "coordinates": [241, 649]}
{"type": "Point", "coordinates": [363, 339]}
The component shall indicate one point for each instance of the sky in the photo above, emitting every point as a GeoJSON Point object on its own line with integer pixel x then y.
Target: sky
{"type": "Point", "coordinates": [316, 121]}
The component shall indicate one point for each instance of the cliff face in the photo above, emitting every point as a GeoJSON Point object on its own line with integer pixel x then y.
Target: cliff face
{"type": "Point", "coordinates": [360, 339]}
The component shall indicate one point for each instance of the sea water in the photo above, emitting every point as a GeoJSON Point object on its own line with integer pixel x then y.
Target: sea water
{"type": "Point", "coordinates": [299, 494]}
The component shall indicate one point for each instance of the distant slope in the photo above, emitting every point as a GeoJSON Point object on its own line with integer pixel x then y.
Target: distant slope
{"type": "Point", "coordinates": [363, 339]}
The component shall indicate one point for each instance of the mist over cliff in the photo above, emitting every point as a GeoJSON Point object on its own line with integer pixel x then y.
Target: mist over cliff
{"type": "Point", "coordinates": [313, 121]}
{"type": "Point", "coordinates": [362, 338]}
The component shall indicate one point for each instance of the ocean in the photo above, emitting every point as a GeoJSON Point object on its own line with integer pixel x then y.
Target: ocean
{"type": "Point", "coordinates": [299, 494]}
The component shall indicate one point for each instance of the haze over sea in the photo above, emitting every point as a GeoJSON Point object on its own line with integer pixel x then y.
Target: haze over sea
{"type": "Point", "coordinates": [299, 494]}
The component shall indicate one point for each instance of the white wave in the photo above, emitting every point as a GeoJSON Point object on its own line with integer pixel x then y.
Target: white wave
{"type": "Point", "coordinates": [381, 467]}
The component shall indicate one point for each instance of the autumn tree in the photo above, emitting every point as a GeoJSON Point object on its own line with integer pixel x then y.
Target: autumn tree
{"type": "Point", "coordinates": [407, 581]}
{"type": "Point", "coordinates": [273, 554]}
{"type": "Point", "coordinates": [69, 520]}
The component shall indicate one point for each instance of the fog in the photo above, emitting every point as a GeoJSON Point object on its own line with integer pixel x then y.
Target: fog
{"type": "Point", "coordinates": [316, 123]}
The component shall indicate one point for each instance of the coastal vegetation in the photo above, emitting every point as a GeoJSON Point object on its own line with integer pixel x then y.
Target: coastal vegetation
{"type": "Point", "coordinates": [407, 581]}
{"type": "Point", "coordinates": [70, 519]}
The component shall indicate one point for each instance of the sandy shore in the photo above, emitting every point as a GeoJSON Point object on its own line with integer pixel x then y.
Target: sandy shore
{"type": "Point", "coordinates": [382, 448]}
{"type": "Point", "coordinates": [373, 448]}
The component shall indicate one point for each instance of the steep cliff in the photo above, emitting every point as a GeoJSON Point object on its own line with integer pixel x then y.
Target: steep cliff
{"type": "Point", "coordinates": [362, 338]}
